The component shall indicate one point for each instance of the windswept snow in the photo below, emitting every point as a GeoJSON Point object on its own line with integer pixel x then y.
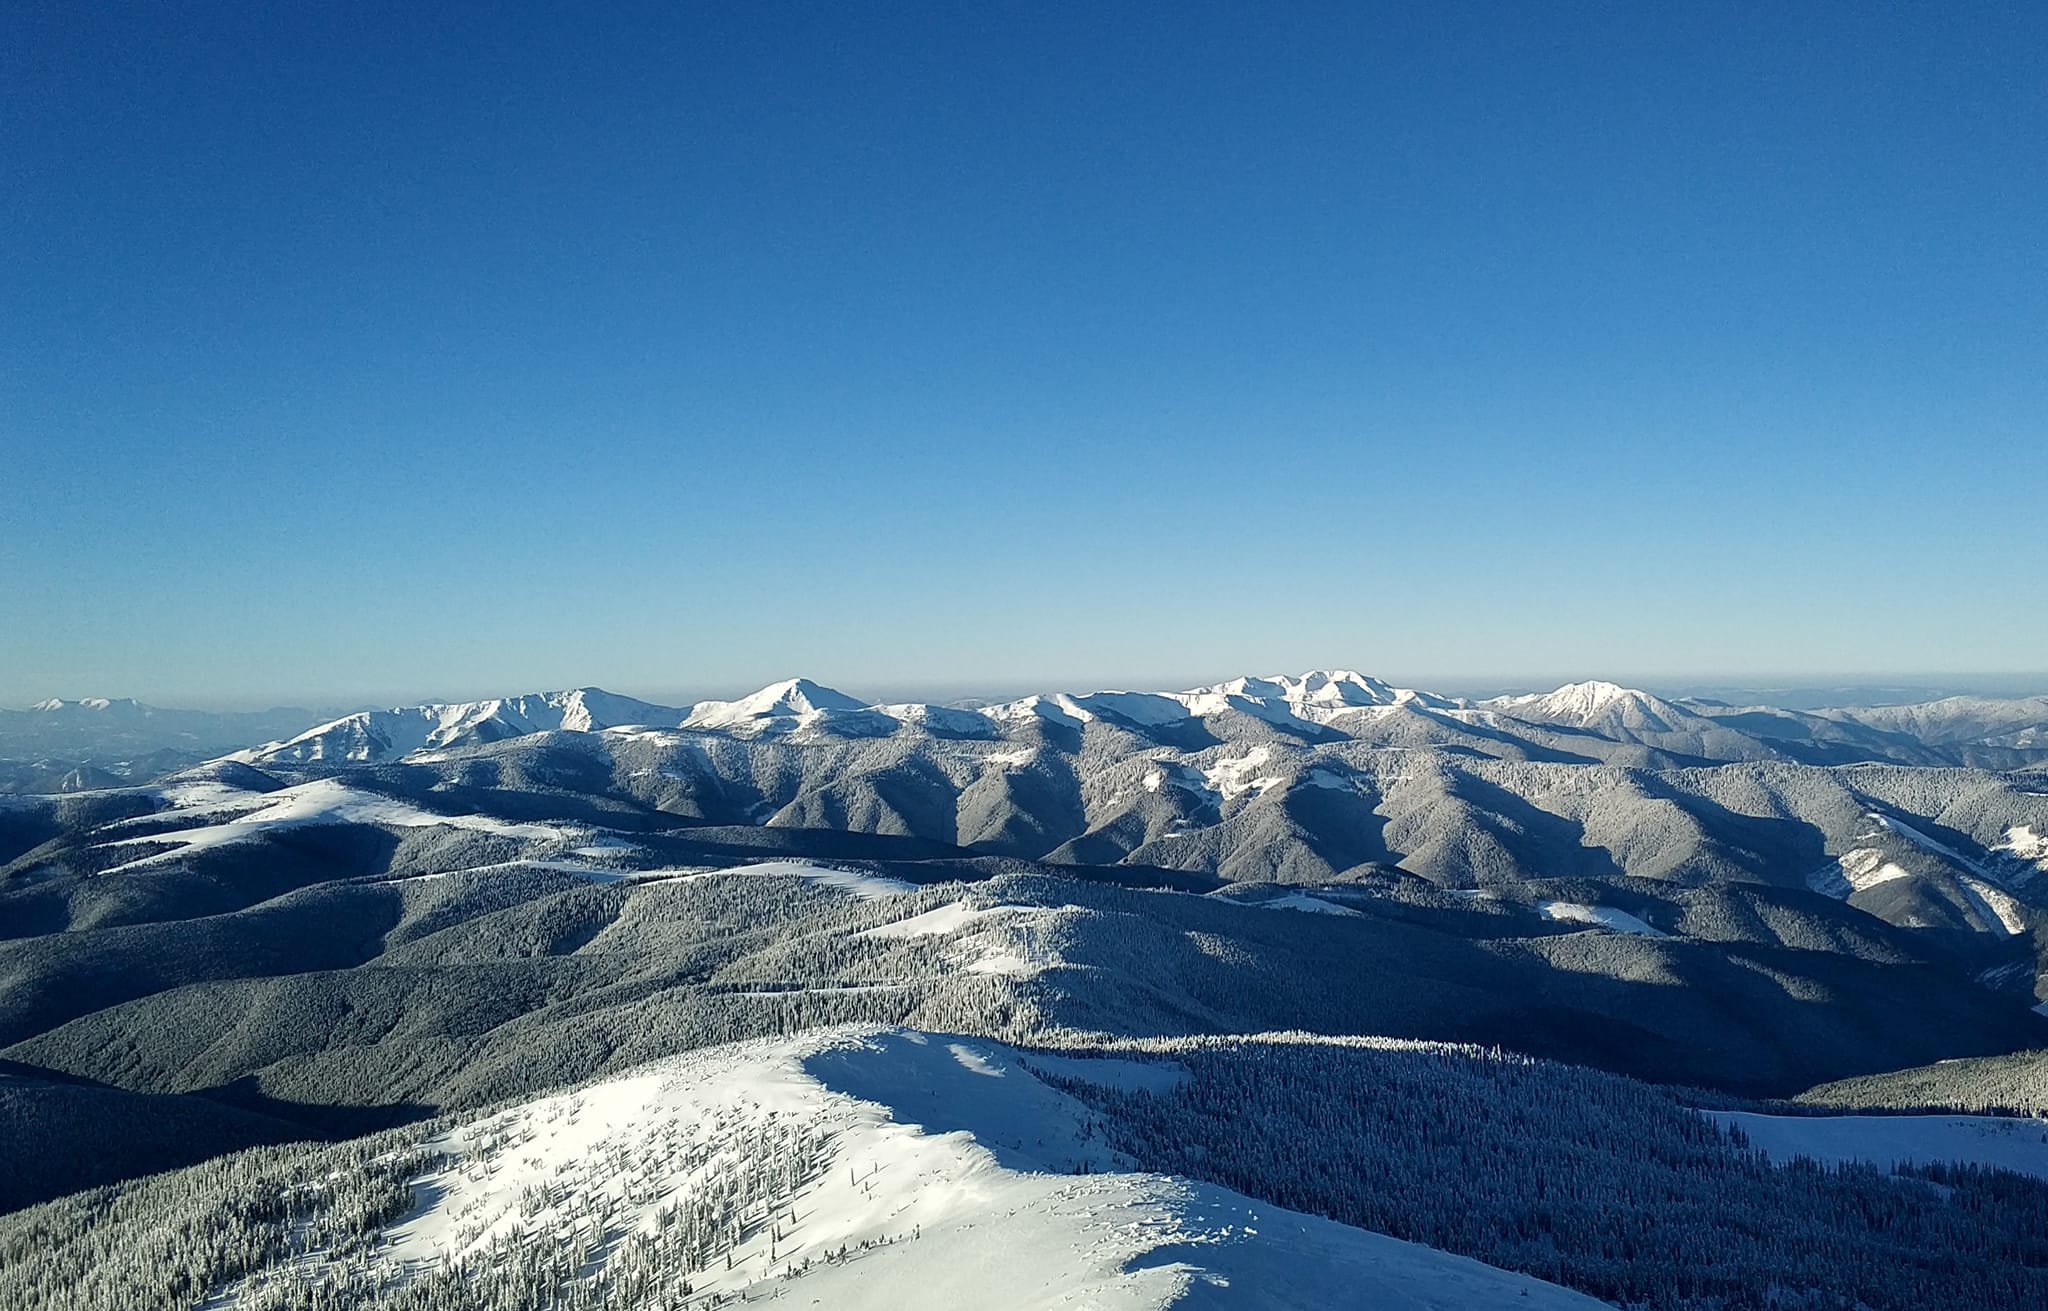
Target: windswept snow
{"type": "Point", "coordinates": [1599, 917]}
{"type": "Point", "coordinates": [2019, 1145]}
{"type": "Point", "coordinates": [1572, 699]}
{"type": "Point", "coordinates": [992, 940]}
{"type": "Point", "coordinates": [1317, 697]}
{"type": "Point", "coordinates": [793, 698]}
{"type": "Point", "coordinates": [579, 869]}
{"type": "Point", "coordinates": [943, 1168]}
{"type": "Point", "coordinates": [1862, 868]}
{"type": "Point", "coordinates": [1590, 703]}
{"type": "Point", "coordinates": [1995, 905]}
{"type": "Point", "coordinates": [949, 918]}
{"type": "Point", "coordinates": [324, 801]}
{"type": "Point", "coordinates": [1149, 708]}
{"type": "Point", "coordinates": [371, 735]}
{"type": "Point", "coordinates": [210, 794]}
{"type": "Point", "coordinates": [2021, 841]}
{"type": "Point", "coordinates": [1237, 775]}
{"type": "Point", "coordinates": [867, 887]}
{"type": "Point", "coordinates": [1855, 871]}
{"type": "Point", "coordinates": [1058, 710]}
{"type": "Point", "coordinates": [1302, 901]}
{"type": "Point", "coordinates": [2024, 848]}
{"type": "Point", "coordinates": [1003, 961]}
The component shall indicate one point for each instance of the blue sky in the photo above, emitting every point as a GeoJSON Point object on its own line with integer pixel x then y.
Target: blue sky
{"type": "Point", "coordinates": [357, 350]}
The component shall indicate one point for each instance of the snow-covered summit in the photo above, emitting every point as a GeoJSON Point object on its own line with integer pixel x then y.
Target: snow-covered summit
{"type": "Point", "coordinates": [372, 735]}
{"type": "Point", "coordinates": [57, 705]}
{"type": "Point", "coordinates": [1594, 701]}
{"type": "Point", "coordinates": [1328, 690]}
{"type": "Point", "coordinates": [1317, 696]}
{"type": "Point", "coordinates": [791, 698]}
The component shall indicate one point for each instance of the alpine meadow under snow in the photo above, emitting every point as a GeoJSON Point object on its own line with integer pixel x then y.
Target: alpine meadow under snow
{"type": "Point", "coordinates": [1296, 991]}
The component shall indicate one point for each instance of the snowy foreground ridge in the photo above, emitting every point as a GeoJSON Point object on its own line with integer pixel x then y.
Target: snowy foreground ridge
{"type": "Point", "coordinates": [946, 1173]}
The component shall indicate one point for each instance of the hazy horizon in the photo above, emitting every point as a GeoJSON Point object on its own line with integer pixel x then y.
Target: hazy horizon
{"type": "Point", "coordinates": [1793, 690]}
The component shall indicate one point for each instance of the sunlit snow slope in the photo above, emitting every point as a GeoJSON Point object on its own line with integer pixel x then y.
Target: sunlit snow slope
{"type": "Point", "coordinates": [946, 1173]}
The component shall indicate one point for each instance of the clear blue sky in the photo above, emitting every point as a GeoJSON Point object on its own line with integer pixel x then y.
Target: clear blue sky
{"type": "Point", "coordinates": [353, 349]}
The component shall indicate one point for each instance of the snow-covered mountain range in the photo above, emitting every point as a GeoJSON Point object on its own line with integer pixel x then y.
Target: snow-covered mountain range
{"type": "Point", "coordinates": [1339, 702]}
{"type": "Point", "coordinates": [1311, 778]}
{"type": "Point", "coordinates": [1293, 889]}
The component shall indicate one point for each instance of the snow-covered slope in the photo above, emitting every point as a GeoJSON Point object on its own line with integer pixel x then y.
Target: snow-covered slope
{"type": "Point", "coordinates": [882, 1168]}
{"type": "Point", "coordinates": [793, 698]}
{"type": "Point", "coordinates": [1601, 705]}
{"type": "Point", "coordinates": [2020, 722]}
{"type": "Point", "coordinates": [1317, 697]}
{"type": "Point", "coordinates": [220, 815]}
{"type": "Point", "coordinates": [376, 735]}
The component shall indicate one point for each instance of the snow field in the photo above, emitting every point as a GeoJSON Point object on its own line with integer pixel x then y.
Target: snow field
{"type": "Point", "coordinates": [886, 1168]}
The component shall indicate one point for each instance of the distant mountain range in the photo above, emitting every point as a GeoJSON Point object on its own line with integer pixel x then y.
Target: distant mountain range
{"type": "Point", "coordinates": [1963, 730]}
{"type": "Point", "coordinates": [1325, 776]}
{"type": "Point", "coordinates": [112, 734]}
{"type": "Point", "coordinates": [72, 746]}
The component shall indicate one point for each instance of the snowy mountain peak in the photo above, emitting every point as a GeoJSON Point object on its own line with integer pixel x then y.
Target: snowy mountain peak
{"type": "Point", "coordinates": [1588, 698]}
{"type": "Point", "coordinates": [1325, 691]}
{"type": "Point", "coordinates": [1594, 701]}
{"type": "Point", "coordinates": [1345, 687]}
{"type": "Point", "coordinates": [370, 735]}
{"type": "Point", "coordinates": [790, 698]}
{"type": "Point", "coordinates": [57, 704]}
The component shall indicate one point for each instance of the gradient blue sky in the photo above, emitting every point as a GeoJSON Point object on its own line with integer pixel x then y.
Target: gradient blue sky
{"type": "Point", "coordinates": [357, 350]}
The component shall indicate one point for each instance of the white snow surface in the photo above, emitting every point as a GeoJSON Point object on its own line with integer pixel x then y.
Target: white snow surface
{"type": "Point", "coordinates": [1596, 701]}
{"type": "Point", "coordinates": [1892, 1140]}
{"type": "Point", "coordinates": [1862, 868]}
{"type": "Point", "coordinates": [1234, 776]}
{"type": "Point", "coordinates": [867, 887]}
{"type": "Point", "coordinates": [1855, 871]}
{"type": "Point", "coordinates": [2026, 849]}
{"type": "Point", "coordinates": [793, 698]}
{"type": "Point", "coordinates": [1318, 696]}
{"type": "Point", "coordinates": [1599, 917]}
{"type": "Point", "coordinates": [1995, 905]}
{"type": "Point", "coordinates": [1302, 901]}
{"type": "Point", "coordinates": [2022, 842]}
{"type": "Point", "coordinates": [949, 918]}
{"type": "Point", "coordinates": [371, 735]}
{"type": "Point", "coordinates": [988, 939]}
{"type": "Point", "coordinates": [324, 801]}
{"type": "Point", "coordinates": [948, 1156]}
